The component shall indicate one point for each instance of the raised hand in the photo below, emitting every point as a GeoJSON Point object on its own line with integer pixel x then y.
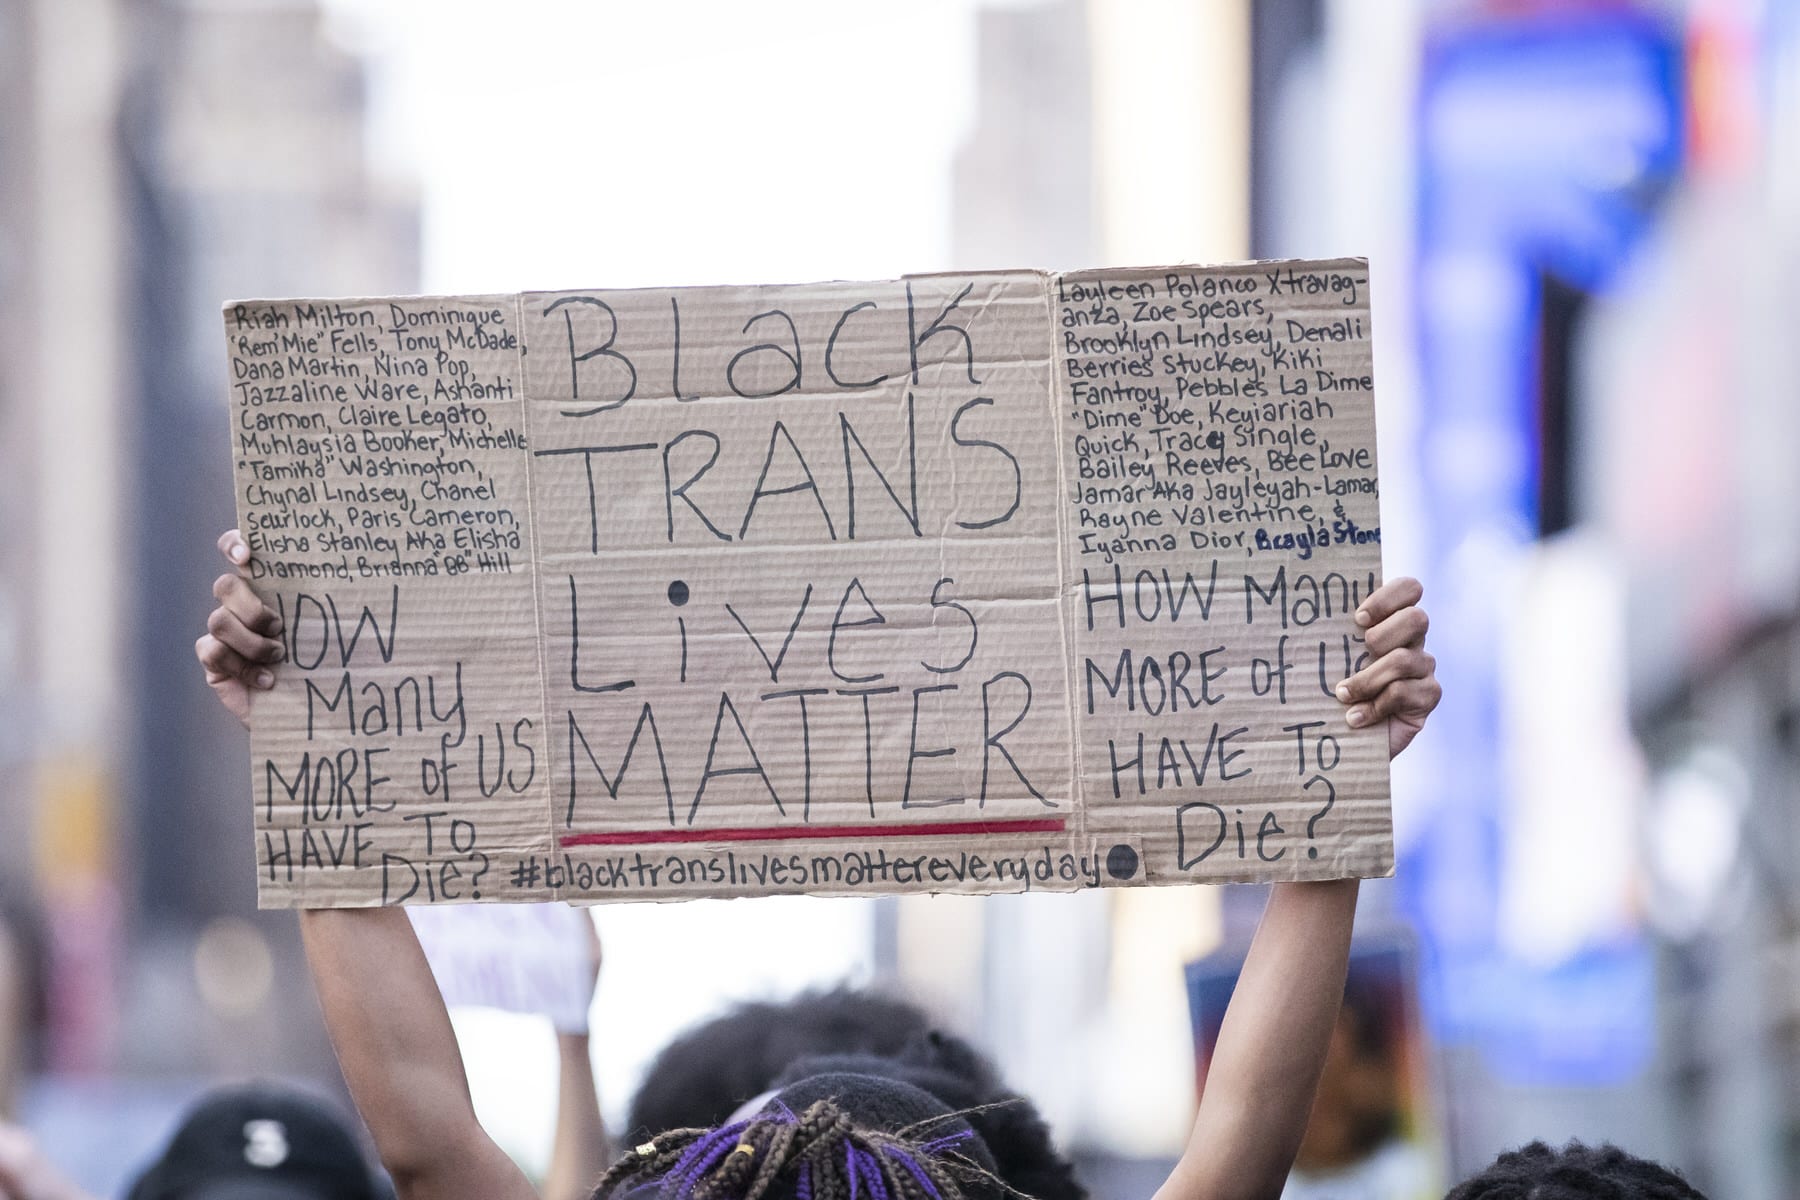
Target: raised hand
{"type": "Point", "coordinates": [1400, 683]}
{"type": "Point", "coordinates": [242, 642]}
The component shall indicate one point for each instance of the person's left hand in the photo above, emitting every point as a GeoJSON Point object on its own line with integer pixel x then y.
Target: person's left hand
{"type": "Point", "coordinates": [1400, 683]}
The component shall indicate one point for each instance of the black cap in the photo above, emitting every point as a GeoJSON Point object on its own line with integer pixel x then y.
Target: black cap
{"type": "Point", "coordinates": [260, 1142]}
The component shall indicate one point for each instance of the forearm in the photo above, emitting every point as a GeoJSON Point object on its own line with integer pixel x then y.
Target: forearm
{"type": "Point", "coordinates": [1271, 1048]}
{"type": "Point", "coordinates": [399, 1055]}
{"type": "Point", "coordinates": [580, 1151]}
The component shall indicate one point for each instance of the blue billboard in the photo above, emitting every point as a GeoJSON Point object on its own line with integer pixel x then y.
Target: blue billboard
{"type": "Point", "coordinates": [1545, 143]}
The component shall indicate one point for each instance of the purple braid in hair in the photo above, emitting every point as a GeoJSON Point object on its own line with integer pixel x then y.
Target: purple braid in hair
{"type": "Point", "coordinates": [938, 1145]}
{"type": "Point", "coordinates": [875, 1166]}
{"type": "Point", "coordinates": [701, 1157]}
{"type": "Point", "coordinates": [911, 1164]}
{"type": "Point", "coordinates": [872, 1174]}
{"type": "Point", "coordinates": [864, 1164]}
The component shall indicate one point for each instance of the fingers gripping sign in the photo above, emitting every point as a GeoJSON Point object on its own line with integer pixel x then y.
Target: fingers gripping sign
{"type": "Point", "coordinates": [242, 642]}
{"type": "Point", "coordinates": [1399, 684]}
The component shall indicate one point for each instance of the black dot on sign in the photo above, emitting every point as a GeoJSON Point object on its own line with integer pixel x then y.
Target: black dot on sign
{"type": "Point", "coordinates": [678, 593]}
{"type": "Point", "coordinates": [1121, 861]}
{"type": "Point", "coordinates": [1312, 852]}
{"type": "Point", "coordinates": [474, 895]}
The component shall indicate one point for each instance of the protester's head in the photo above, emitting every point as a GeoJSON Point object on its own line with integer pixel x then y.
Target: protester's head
{"type": "Point", "coordinates": [704, 1077]}
{"type": "Point", "coordinates": [260, 1142]}
{"type": "Point", "coordinates": [830, 1136]}
{"type": "Point", "coordinates": [1575, 1172]}
{"type": "Point", "coordinates": [956, 1075]}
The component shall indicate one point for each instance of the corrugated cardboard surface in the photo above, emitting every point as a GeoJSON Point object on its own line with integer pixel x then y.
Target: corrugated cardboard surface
{"type": "Point", "coordinates": [951, 583]}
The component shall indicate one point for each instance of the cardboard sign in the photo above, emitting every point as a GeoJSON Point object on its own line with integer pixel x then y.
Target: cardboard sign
{"type": "Point", "coordinates": [966, 583]}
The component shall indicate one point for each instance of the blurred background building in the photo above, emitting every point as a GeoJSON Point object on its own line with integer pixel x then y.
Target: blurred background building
{"type": "Point", "coordinates": [1583, 220]}
{"type": "Point", "coordinates": [158, 158]}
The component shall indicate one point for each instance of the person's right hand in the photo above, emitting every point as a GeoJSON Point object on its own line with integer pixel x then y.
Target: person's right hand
{"type": "Point", "coordinates": [241, 644]}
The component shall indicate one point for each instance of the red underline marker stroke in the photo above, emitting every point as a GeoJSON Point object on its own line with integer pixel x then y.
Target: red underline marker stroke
{"type": "Point", "coordinates": [815, 833]}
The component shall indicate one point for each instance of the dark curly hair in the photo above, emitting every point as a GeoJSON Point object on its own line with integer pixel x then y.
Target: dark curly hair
{"type": "Point", "coordinates": [700, 1078]}
{"type": "Point", "coordinates": [1575, 1172]}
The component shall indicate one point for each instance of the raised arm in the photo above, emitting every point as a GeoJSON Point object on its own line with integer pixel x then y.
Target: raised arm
{"type": "Point", "coordinates": [399, 1056]}
{"type": "Point", "coordinates": [1272, 1045]}
{"type": "Point", "coordinates": [580, 1150]}
{"type": "Point", "coordinates": [382, 1006]}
